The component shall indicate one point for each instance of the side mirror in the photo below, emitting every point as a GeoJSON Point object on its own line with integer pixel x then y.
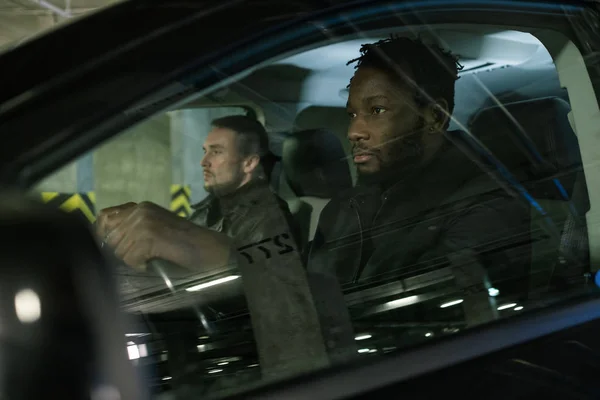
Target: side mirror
{"type": "Point", "coordinates": [61, 332]}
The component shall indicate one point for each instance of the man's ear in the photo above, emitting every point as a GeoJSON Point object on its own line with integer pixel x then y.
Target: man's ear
{"type": "Point", "coordinates": [251, 164]}
{"type": "Point", "coordinates": [436, 116]}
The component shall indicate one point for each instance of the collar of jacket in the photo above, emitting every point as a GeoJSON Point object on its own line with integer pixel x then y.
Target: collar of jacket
{"type": "Point", "coordinates": [246, 196]}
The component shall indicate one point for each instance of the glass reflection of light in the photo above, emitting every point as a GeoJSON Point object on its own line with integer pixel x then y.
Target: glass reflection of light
{"type": "Point", "coordinates": [28, 306]}
{"type": "Point", "coordinates": [136, 351]}
{"type": "Point", "coordinates": [506, 306]}
{"type": "Point", "coordinates": [143, 350]}
{"type": "Point", "coordinates": [106, 392]}
{"type": "Point", "coordinates": [451, 303]}
{"type": "Point", "coordinates": [403, 302]}
{"type": "Point", "coordinates": [133, 352]}
{"type": "Point", "coordinates": [212, 283]}
{"type": "Point", "coordinates": [136, 334]}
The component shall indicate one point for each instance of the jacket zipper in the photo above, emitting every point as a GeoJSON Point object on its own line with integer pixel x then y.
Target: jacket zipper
{"type": "Point", "coordinates": [357, 271]}
{"type": "Point", "coordinates": [383, 200]}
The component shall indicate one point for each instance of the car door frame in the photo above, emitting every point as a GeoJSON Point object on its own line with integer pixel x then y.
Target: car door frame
{"type": "Point", "coordinates": [106, 92]}
{"type": "Point", "coordinates": [46, 137]}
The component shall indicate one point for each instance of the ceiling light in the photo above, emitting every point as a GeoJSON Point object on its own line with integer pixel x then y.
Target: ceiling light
{"type": "Point", "coordinates": [519, 308]}
{"type": "Point", "coordinates": [493, 292]}
{"type": "Point", "coordinates": [405, 301]}
{"type": "Point", "coordinates": [363, 337]}
{"type": "Point", "coordinates": [363, 350]}
{"type": "Point", "coordinates": [214, 371]}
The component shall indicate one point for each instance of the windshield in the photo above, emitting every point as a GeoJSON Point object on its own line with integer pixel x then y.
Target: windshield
{"type": "Point", "coordinates": [346, 200]}
{"type": "Point", "coordinates": [21, 20]}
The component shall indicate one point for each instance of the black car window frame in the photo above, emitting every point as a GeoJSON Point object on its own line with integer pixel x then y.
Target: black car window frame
{"type": "Point", "coordinates": [99, 107]}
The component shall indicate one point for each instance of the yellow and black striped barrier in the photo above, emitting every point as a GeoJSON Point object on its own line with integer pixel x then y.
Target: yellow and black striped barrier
{"type": "Point", "coordinates": [79, 203]}
{"type": "Point", "coordinates": [180, 200]}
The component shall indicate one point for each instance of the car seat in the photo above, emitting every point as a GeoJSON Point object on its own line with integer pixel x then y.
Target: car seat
{"type": "Point", "coordinates": [315, 167]}
{"type": "Point", "coordinates": [534, 140]}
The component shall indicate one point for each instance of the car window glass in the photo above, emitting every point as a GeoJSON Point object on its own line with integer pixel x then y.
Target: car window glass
{"type": "Point", "coordinates": [20, 22]}
{"type": "Point", "coordinates": [157, 160]}
{"type": "Point", "coordinates": [402, 212]}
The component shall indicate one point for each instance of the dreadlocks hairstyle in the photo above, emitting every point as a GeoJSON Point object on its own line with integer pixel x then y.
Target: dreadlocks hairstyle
{"type": "Point", "coordinates": [434, 69]}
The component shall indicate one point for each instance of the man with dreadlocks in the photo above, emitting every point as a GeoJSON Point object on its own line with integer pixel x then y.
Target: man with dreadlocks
{"type": "Point", "coordinates": [402, 218]}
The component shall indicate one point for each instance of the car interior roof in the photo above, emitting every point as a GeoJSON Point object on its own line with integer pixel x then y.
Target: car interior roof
{"type": "Point", "coordinates": [498, 65]}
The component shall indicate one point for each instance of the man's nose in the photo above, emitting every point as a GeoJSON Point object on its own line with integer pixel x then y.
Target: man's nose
{"type": "Point", "coordinates": [204, 162]}
{"type": "Point", "coordinates": [358, 130]}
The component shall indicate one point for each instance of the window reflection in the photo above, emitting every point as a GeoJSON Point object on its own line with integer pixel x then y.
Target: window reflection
{"type": "Point", "coordinates": [485, 214]}
{"type": "Point", "coordinates": [28, 306]}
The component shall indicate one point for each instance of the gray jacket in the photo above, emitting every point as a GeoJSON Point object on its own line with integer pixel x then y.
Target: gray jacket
{"type": "Point", "coordinates": [249, 216]}
{"type": "Point", "coordinates": [273, 283]}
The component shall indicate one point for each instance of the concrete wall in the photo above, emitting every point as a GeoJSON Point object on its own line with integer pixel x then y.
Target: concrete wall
{"type": "Point", "coordinates": [189, 129]}
{"type": "Point", "coordinates": [15, 26]}
{"type": "Point", "coordinates": [141, 163]}
{"type": "Point", "coordinates": [136, 166]}
{"type": "Point", "coordinates": [63, 180]}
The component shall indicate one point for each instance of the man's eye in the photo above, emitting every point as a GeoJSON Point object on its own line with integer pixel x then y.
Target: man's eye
{"type": "Point", "coordinates": [378, 110]}
{"type": "Point", "coordinates": [351, 114]}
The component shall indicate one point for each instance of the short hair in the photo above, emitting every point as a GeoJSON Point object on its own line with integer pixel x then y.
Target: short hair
{"type": "Point", "coordinates": [252, 138]}
{"type": "Point", "coordinates": [434, 69]}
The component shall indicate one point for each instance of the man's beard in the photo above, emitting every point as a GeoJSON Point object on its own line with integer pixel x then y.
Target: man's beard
{"type": "Point", "coordinates": [224, 189]}
{"type": "Point", "coordinates": [407, 155]}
